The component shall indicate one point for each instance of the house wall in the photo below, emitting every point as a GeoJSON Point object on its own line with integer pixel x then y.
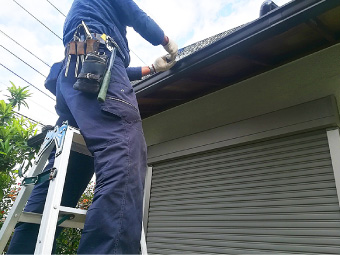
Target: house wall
{"type": "Point", "coordinates": [314, 115]}
{"type": "Point", "coordinates": [251, 168]}
{"type": "Point", "coordinates": [306, 79]}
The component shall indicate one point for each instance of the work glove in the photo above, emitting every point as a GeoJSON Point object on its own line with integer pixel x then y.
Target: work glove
{"type": "Point", "coordinates": [161, 64]}
{"type": "Point", "coordinates": [172, 49]}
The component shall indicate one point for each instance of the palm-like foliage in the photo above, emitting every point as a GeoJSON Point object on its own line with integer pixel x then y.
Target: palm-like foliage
{"type": "Point", "coordinates": [14, 133]}
{"type": "Point", "coordinates": [18, 96]}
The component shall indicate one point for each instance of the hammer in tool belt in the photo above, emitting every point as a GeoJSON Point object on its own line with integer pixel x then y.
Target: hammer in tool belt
{"type": "Point", "coordinates": [111, 46]}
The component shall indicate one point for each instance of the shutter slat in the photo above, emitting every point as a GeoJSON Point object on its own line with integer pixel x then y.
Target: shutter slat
{"type": "Point", "coordinates": [252, 210]}
{"type": "Point", "coordinates": [261, 183]}
{"type": "Point", "coordinates": [251, 217]}
{"type": "Point", "coordinates": [246, 238]}
{"type": "Point", "coordinates": [249, 162]}
{"type": "Point", "coordinates": [322, 232]}
{"type": "Point", "coordinates": [201, 171]}
{"type": "Point", "coordinates": [284, 247]}
{"type": "Point", "coordinates": [246, 204]}
{"type": "Point", "coordinates": [222, 198]}
{"type": "Point", "coordinates": [249, 178]}
{"type": "Point", "coordinates": [224, 191]}
{"type": "Point", "coordinates": [246, 149]}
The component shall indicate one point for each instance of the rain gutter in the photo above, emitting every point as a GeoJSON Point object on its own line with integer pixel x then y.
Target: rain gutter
{"type": "Point", "coordinates": [271, 24]}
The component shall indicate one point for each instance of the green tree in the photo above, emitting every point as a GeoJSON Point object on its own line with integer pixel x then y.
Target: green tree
{"type": "Point", "coordinates": [18, 95]}
{"type": "Point", "coordinates": [14, 133]}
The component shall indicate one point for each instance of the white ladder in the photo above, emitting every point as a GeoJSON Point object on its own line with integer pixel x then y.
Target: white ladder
{"type": "Point", "coordinates": [65, 139]}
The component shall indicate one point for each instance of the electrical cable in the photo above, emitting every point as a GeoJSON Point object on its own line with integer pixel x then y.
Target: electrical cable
{"type": "Point", "coordinates": [64, 16]}
{"type": "Point", "coordinates": [138, 57]}
{"type": "Point", "coordinates": [23, 61]}
{"type": "Point", "coordinates": [56, 8]}
{"type": "Point", "coordinates": [37, 20]}
{"type": "Point", "coordinates": [34, 102]}
{"type": "Point", "coordinates": [3, 84]}
{"type": "Point", "coordinates": [24, 48]}
{"type": "Point", "coordinates": [27, 81]}
{"type": "Point", "coordinates": [37, 122]}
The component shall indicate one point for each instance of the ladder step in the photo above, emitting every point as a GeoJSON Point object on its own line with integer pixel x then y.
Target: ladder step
{"type": "Point", "coordinates": [76, 222]}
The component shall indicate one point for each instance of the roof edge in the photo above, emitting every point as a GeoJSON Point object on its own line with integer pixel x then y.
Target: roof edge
{"type": "Point", "coordinates": [273, 23]}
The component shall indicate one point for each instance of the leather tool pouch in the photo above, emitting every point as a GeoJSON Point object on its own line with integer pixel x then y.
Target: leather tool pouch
{"type": "Point", "coordinates": [92, 73]}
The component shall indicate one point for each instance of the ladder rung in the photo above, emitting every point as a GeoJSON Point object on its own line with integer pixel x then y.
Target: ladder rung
{"type": "Point", "coordinates": [76, 222]}
{"type": "Point", "coordinates": [30, 217]}
{"type": "Point", "coordinates": [79, 219]}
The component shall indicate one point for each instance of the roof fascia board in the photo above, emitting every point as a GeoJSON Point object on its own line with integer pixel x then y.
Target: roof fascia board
{"type": "Point", "coordinates": [275, 22]}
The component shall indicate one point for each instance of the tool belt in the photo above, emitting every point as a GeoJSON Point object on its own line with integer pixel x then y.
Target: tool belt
{"type": "Point", "coordinates": [92, 73]}
{"type": "Point", "coordinates": [90, 54]}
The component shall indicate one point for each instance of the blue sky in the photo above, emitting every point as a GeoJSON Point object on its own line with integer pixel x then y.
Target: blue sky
{"type": "Point", "coordinates": [185, 21]}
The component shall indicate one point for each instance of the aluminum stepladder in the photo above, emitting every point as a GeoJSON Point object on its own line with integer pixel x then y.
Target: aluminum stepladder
{"type": "Point", "coordinates": [64, 139]}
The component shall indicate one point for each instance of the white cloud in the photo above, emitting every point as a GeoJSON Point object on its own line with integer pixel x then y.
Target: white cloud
{"type": "Point", "coordinates": [185, 21]}
{"type": "Point", "coordinates": [190, 21]}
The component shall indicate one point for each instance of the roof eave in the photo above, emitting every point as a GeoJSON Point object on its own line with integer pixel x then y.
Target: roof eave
{"type": "Point", "coordinates": [270, 24]}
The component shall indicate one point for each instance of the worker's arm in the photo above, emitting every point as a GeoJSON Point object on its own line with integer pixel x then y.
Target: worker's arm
{"type": "Point", "coordinates": [135, 73]}
{"type": "Point", "coordinates": [140, 21]}
{"type": "Point", "coordinates": [135, 17]}
{"type": "Point", "coordinates": [160, 65]}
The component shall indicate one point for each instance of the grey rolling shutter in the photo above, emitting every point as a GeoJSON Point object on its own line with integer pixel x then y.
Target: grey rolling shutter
{"type": "Point", "coordinates": [272, 197]}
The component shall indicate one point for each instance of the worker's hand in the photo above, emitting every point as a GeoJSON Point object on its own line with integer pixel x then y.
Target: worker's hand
{"type": "Point", "coordinates": [171, 47]}
{"type": "Point", "coordinates": [161, 64]}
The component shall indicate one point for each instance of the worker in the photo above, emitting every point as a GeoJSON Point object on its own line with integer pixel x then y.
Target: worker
{"type": "Point", "coordinates": [112, 131]}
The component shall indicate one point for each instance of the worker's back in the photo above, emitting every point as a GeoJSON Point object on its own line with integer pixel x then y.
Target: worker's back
{"type": "Point", "coordinates": [112, 18]}
{"type": "Point", "coordinates": [101, 16]}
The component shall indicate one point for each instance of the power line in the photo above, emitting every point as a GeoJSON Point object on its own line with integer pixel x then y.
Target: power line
{"type": "Point", "coordinates": [29, 99]}
{"type": "Point", "coordinates": [37, 122]}
{"type": "Point", "coordinates": [139, 57]}
{"type": "Point", "coordinates": [27, 81]}
{"type": "Point", "coordinates": [24, 48]}
{"type": "Point", "coordinates": [34, 102]}
{"type": "Point", "coordinates": [56, 8]}
{"type": "Point", "coordinates": [38, 20]}
{"type": "Point", "coordinates": [23, 61]}
{"type": "Point", "coordinates": [64, 16]}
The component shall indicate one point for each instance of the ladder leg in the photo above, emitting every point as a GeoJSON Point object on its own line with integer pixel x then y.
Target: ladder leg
{"type": "Point", "coordinates": [51, 210]}
{"type": "Point", "coordinates": [20, 201]}
{"type": "Point", "coordinates": [144, 250]}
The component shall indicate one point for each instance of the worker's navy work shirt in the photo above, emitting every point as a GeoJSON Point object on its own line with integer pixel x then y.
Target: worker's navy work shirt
{"type": "Point", "coordinates": [112, 17]}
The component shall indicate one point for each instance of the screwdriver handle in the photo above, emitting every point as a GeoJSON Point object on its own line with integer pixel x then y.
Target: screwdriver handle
{"type": "Point", "coordinates": [80, 48]}
{"type": "Point", "coordinates": [73, 48]}
{"type": "Point", "coordinates": [92, 45]}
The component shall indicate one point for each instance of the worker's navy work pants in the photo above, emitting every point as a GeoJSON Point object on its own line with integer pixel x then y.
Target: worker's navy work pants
{"type": "Point", "coordinates": [113, 134]}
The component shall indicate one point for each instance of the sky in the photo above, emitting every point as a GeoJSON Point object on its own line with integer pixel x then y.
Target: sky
{"type": "Point", "coordinates": [184, 21]}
